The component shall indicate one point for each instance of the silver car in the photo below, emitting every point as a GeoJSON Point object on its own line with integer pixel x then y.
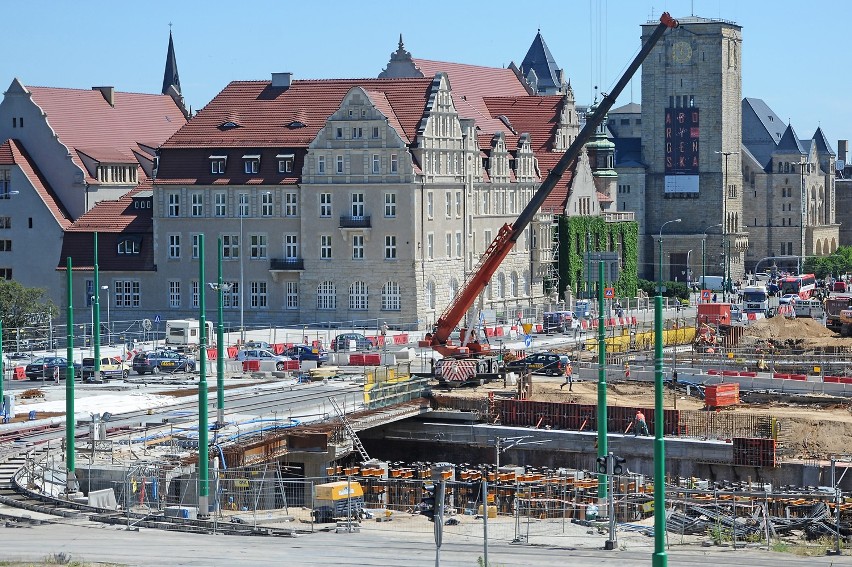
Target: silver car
{"type": "Point", "coordinates": [263, 355]}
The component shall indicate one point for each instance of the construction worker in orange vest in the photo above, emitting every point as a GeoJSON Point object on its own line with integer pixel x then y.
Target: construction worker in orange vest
{"type": "Point", "coordinates": [640, 427]}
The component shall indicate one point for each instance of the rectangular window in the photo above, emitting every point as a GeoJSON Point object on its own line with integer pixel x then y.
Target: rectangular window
{"type": "Point", "coordinates": [390, 247]}
{"type": "Point", "coordinates": [448, 204]}
{"type": "Point", "coordinates": [487, 239]}
{"type": "Point", "coordinates": [458, 204]}
{"type": "Point", "coordinates": [258, 295]}
{"type": "Point", "coordinates": [339, 164]}
{"type": "Point", "coordinates": [174, 294]}
{"type": "Point", "coordinates": [174, 246]}
{"type": "Point", "coordinates": [376, 163]}
{"type": "Point", "coordinates": [195, 294]}
{"type": "Point", "coordinates": [390, 205]}
{"type": "Point", "coordinates": [231, 246]}
{"type": "Point", "coordinates": [291, 246]}
{"type": "Point", "coordinates": [291, 204]}
{"type": "Point", "coordinates": [358, 247]}
{"type": "Point", "coordinates": [257, 246]}
{"type": "Point", "coordinates": [320, 164]}
{"type": "Point", "coordinates": [325, 247]}
{"type": "Point", "coordinates": [5, 245]}
{"type": "Point", "coordinates": [357, 133]}
{"type": "Point", "coordinates": [430, 204]}
{"type": "Point", "coordinates": [5, 222]}
{"type": "Point", "coordinates": [197, 202]}
{"type": "Point", "coordinates": [375, 134]}
{"type": "Point", "coordinates": [5, 274]}
{"type": "Point", "coordinates": [231, 299]}
{"type": "Point", "coordinates": [285, 164]}
{"type": "Point", "coordinates": [220, 207]}
{"type": "Point", "coordinates": [217, 165]}
{"type": "Point", "coordinates": [394, 164]}
{"type": "Point", "coordinates": [325, 205]}
{"type": "Point", "coordinates": [292, 294]}
{"type": "Point", "coordinates": [458, 244]}
{"type": "Point", "coordinates": [357, 204]}
{"type": "Point", "coordinates": [449, 244]}
{"type": "Point", "coordinates": [338, 133]}
{"type": "Point", "coordinates": [430, 246]}
{"type": "Point", "coordinates": [127, 293]}
{"type": "Point", "coordinates": [251, 165]}
{"type": "Point", "coordinates": [174, 204]}
{"type": "Point", "coordinates": [243, 209]}
{"type": "Point", "coordinates": [196, 239]}
{"type": "Point", "coordinates": [266, 207]}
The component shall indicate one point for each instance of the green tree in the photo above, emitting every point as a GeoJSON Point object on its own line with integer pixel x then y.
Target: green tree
{"type": "Point", "coordinates": [835, 264]}
{"type": "Point", "coordinates": [23, 306]}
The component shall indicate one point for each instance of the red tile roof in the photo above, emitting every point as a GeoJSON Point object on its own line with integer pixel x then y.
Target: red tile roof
{"type": "Point", "coordinates": [471, 84]}
{"type": "Point", "coordinates": [84, 119]}
{"type": "Point", "coordinates": [118, 215]}
{"type": "Point", "coordinates": [12, 152]}
{"type": "Point", "coordinates": [265, 112]}
{"type": "Point", "coordinates": [537, 116]}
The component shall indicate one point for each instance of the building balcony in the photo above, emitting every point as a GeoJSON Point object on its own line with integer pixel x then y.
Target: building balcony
{"type": "Point", "coordinates": [286, 264]}
{"type": "Point", "coordinates": [620, 216]}
{"type": "Point", "coordinates": [355, 222]}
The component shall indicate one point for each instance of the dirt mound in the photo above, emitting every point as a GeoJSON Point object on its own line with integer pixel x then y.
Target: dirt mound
{"type": "Point", "coordinates": [782, 328]}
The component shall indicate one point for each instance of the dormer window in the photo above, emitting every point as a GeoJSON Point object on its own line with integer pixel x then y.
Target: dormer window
{"type": "Point", "coordinates": [129, 246]}
{"type": "Point", "coordinates": [251, 163]}
{"type": "Point", "coordinates": [295, 124]}
{"type": "Point", "coordinates": [229, 125]}
{"type": "Point", "coordinates": [285, 163]}
{"type": "Point", "coordinates": [217, 164]}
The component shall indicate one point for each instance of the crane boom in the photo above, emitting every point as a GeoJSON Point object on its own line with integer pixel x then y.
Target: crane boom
{"type": "Point", "coordinates": [509, 233]}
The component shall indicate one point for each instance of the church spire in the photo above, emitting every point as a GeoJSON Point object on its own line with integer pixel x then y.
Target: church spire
{"type": "Point", "coordinates": [170, 77]}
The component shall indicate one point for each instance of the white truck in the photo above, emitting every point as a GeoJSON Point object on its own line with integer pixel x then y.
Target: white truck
{"type": "Point", "coordinates": [755, 299]}
{"type": "Point", "coordinates": [182, 334]}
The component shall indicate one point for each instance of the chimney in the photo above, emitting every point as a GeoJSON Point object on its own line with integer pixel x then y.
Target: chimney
{"type": "Point", "coordinates": [281, 79]}
{"type": "Point", "coordinates": [108, 94]}
{"type": "Point", "coordinates": [842, 150]}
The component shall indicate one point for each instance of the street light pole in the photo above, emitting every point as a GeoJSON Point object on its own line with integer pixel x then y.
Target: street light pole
{"type": "Point", "coordinates": [726, 226]}
{"type": "Point", "coordinates": [109, 326]}
{"type": "Point", "coordinates": [242, 276]}
{"type": "Point", "coordinates": [704, 255]}
{"type": "Point", "coordinates": [659, 442]}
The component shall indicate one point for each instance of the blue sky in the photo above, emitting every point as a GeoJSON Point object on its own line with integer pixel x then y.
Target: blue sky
{"type": "Point", "coordinates": [792, 54]}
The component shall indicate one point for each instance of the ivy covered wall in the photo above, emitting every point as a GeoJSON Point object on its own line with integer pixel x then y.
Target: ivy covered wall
{"type": "Point", "coordinates": [622, 237]}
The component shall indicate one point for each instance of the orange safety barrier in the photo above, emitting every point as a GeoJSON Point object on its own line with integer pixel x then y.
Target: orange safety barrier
{"type": "Point", "coordinates": [278, 348]}
{"type": "Point", "coordinates": [781, 376]}
{"type": "Point", "coordinates": [831, 379]}
{"type": "Point", "coordinates": [499, 331]}
{"type": "Point", "coordinates": [539, 328]}
{"type": "Point", "coordinates": [212, 353]}
{"type": "Point", "coordinates": [291, 365]}
{"type": "Point", "coordinates": [845, 380]}
{"type": "Point", "coordinates": [489, 332]}
{"type": "Point", "coordinates": [251, 365]}
{"type": "Point", "coordinates": [749, 374]}
{"type": "Point", "coordinates": [19, 373]}
{"type": "Point", "coordinates": [400, 339]}
{"type": "Point", "coordinates": [801, 377]}
{"type": "Point", "coordinates": [232, 352]}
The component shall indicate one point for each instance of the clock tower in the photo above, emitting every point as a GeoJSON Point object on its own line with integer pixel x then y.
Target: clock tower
{"type": "Point", "coordinates": [691, 138]}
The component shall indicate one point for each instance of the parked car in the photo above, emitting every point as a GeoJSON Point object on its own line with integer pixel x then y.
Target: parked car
{"type": "Point", "coordinates": [789, 298]}
{"type": "Point", "coordinates": [839, 286]}
{"type": "Point", "coordinates": [539, 363]}
{"type": "Point", "coordinates": [341, 342]}
{"type": "Point", "coordinates": [263, 355]}
{"type": "Point", "coordinates": [19, 356]}
{"type": "Point", "coordinates": [42, 368]}
{"type": "Point", "coordinates": [111, 367]}
{"type": "Point", "coordinates": [258, 344]}
{"type": "Point", "coordinates": [157, 361]}
{"type": "Point", "coordinates": [305, 352]}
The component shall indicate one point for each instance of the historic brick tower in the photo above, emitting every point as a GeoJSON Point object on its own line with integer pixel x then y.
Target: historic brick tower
{"type": "Point", "coordinates": [691, 144]}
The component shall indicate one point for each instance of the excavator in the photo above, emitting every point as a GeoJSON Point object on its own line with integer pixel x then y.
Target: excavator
{"type": "Point", "coordinates": [464, 362]}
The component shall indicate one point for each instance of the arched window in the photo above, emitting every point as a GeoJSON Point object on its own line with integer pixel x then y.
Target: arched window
{"type": "Point", "coordinates": [513, 289]}
{"type": "Point", "coordinates": [430, 295]}
{"type": "Point", "coordinates": [454, 287]}
{"type": "Point", "coordinates": [390, 297]}
{"type": "Point", "coordinates": [326, 296]}
{"type": "Point", "coordinates": [358, 296]}
{"type": "Point", "coordinates": [501, 286]}
{"type": "Point", "coordinates": [527, 284]}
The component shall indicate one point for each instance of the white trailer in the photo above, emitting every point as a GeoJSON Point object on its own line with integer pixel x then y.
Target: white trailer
{"type": "Point", "coordinates": [183, 333]}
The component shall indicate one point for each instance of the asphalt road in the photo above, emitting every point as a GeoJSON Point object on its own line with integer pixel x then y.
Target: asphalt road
{"type": "Point", "coordinates": [153, 548]}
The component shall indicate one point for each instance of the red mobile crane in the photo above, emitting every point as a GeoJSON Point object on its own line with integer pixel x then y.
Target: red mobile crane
{"type": "Point", "coordinates": [509, 233]}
